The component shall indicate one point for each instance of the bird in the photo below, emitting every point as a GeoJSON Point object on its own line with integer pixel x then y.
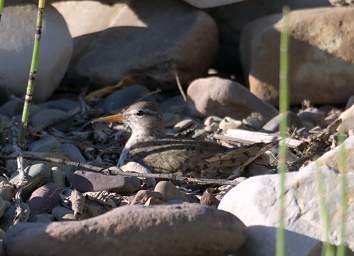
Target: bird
{"type": "Point", "coordinates": [149, 146]}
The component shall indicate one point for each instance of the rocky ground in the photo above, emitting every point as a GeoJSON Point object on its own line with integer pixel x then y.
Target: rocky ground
{"type": "Point", "coordinates": [212, 68]}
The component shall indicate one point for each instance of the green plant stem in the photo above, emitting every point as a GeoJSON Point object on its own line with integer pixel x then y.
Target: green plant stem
{"type": "Point", "coordinates": [342, 165]}
{"type": "Point", "coordinates": [2, 4]}
{"type": "Point", "coordinates": [283, 105]}
{"type": "Point", "coordinates": [32, 74]}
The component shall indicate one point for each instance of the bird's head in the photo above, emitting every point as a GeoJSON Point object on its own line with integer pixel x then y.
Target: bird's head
{"type": "Point", "coordinates": [143, 116]}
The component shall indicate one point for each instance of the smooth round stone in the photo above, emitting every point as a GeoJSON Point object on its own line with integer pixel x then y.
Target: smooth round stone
{"type": "Point", "coordinates": [43, 218]}
{"type": "Point", "coordinates": [63, 214]}
{"type": "Point", "coordinates": [123, 98]}
{"type": "Point", "coordinates": [72, 152]}
{"type": "Point", "coordinates": [174, 230]}
{"type": "Point", "coordinates": [44, 198]}
{"type": "Point", "coordinates": [37, 172]}
{"type": "Point", "coordinates": [62, 104]}
{"type": "Point", "coordinates": [170, 192]}
{"type": "Point", "coordinates": [136, 167]}
{"type": "Point", "coordinates": [229, 123]}
{"type": "Point", "coordinates": [46, 117]}
{"type": "Point", "coordinates": [90, 181]}
{"type": "Point", "coordinates": [293, 122]}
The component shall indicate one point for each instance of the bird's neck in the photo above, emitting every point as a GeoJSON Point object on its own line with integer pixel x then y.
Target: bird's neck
{"type": "Point", "coordinates": [139, 136]}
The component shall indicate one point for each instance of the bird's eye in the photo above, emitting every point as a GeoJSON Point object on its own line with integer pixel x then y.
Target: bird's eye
{"type": "Point", "coordinates": [140, 113]}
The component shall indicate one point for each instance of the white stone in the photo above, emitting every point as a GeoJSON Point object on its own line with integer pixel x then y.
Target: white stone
{"type": "Point", "coordinates": [255, 202]}
{"type": "Point", "coordinates": [17, 30]}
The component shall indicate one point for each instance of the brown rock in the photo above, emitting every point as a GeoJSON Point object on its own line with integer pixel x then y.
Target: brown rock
{"type": "Point", "coordinates": [223, 97]}
{"type": "Point", "coordinates": [90, 181]}
{"type": "Point", "coordinates": [321, 55]}
{"type": "Point", "coordinates": [44, 198]}
{"type": "Point", "coordinates": [140, 33]}
{"type": "Point", "coordinates": [186, 229]}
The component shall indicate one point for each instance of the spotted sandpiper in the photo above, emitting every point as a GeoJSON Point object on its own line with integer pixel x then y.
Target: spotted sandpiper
{"type": "Point", "coordinates": [149, 146]}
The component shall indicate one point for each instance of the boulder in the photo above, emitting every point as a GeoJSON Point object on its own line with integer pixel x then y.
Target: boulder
{"type": "Point", "coordinates": [136, 39]}
{"type": "Point", "coordinates": [16, 45]}
{"type": "Point", "coordinates": [256, 201]}
{"type": "Point", "coordinates": [223, 97]}
{"type": "Point", "coordinates": [186, 229]}
{"type": "Point", "coordinates": [321, 55]}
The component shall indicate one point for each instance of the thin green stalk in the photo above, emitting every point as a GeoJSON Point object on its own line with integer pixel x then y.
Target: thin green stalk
{"type": "Point", "coordinates": [2, 4]}
{"type": "Point", "coordinates": [342, 166]}
{"type": "Point", "coordinates": [32, 74]}
{"type": "Point", "coordinates": [324, 212]}
{"type": "Point", "coordinates": [283, 106]}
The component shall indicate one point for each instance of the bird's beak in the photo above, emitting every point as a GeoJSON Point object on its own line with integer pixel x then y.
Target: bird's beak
{"type": "Point", "coordinates": [117, 118]}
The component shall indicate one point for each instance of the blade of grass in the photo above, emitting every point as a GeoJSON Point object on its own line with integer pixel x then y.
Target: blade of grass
{"type": "Point", "coordinates": [327, 249]}
{"type": "Point", "coordinates": [283, 107]}
{"type": "Point", "coordinates": [32, 74]}
{"type": "Point", "coordinates": [2, 4]}
{"type": "Point", "coordinates": [342, 165]}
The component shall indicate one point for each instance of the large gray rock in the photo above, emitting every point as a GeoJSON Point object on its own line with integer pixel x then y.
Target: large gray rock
{"type": "Point", "coordinates": [16, 45]}
{"type": "Point", "coordinates": [138, 39]}
{"type": "Point", "coordinates": [321, 55]}
{"type": "Point", "coordinates": [223, 97]}
{"type": "Point", "coordinates": [187, 229]}
{"type": "Point", "coordinates": [256, 201]}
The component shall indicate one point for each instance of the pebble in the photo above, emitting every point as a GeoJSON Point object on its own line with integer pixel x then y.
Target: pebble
{"type": "Point", "coordinates": [46, 117]}
{"type": "Point", "coordinates": [43, 217]}
{"type": "Point", "coordinates": [36, 173]}
{"type": "Point", "coordinates": [72, 152]}
{"type": "Point", "coordinates": [90, 181]}
{"type": "Point", "coordinates": [123, 98]}
{"type": "Point", "coordinates": [170, 192]}
{"type": "Point", "coordinates": [229, 123]}
{"type": "Point", "coordinates": [44, 198]}
{"type": "Point", "coordinates": [62, 104]}
{"type": "Point", "coordinates": [136, 167]}
{"type": "Point", "coordinates": [183, 125]}
{"type": "Point", "coordinates": [63, 214]}
{"type": "Point", "coordinates": [174, 230]}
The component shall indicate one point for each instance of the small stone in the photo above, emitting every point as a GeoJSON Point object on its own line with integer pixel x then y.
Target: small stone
{"type": "Point", "coordinates": [192, 230]}
{"type": "Point", "coordinates": [314, 118]}
{"type": "Point", "coordinates": [58, 176]}
{"type": "Point", "coordinates": [293, 122]}
{"type": "Point", "coordinates": [144, 195]}
{"type": "Point", "coordinates": [43, 218]}
{"type": "Point", "coordinates": [153, 201]}
{"type": "Point", "coordinates": [90, 181]}
{"type": "Point", "coordinates": [223, 97]}
{"type": "Point", "coordinates": [63, 214]}
{"type": "Point", "coordinates": [46, 117]}
{"type": "Point", "coordinates": [12, 107]}
{"type": "Point", "coordinates": [72, 152]}
{"type": "Point", "coordinates": [183, 125]}
{"type": "Point", "coordinates": [37, 173]}
{"type": "Point", "coordinates": [175, 105]}
{"type": "Point", "coordinates": [170, 192]}
{"type": "Point", "coordinates": [210, 120]}
{"type": "Point", "coordinates": [45, 144]}
{"type": "Point", "coordinates": [123, 98]}
{"type": "Point", "coordinates": [254, 120]}
{"type": "Point", "coordinates": [62, 104]}
{"type": "Point", "coordinates": [136, 167]}
{"type": "Point", "coordinates": [229, 123]}
{"type": "Point", "coordinates": [44, 198]}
